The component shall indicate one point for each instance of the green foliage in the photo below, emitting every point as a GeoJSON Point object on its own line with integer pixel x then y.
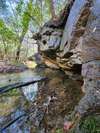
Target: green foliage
{"type": "Point", "coordinates": [47, 4]}
{"type": "Point", "coordinates": [12, 34]}
{"type": "Point", "coordinates": [33, 13]}
{"type": "Point", "coordinates": [19, 7]}
{"type": "Point", "coordinates": [59, 131]}
{"type": "Point", "coordinates": [6, 32]}
{"type": "Point", "coordinates": [13, 92]}
{"type": "Point", "coordinates": [25, 22]}
{"type": "Point", "coordinates": [37, 14]}
{"type": "Point", "coordinates": [59, 5]}
{"type": "Point", "coordinates": [90, 125]}
{"type": "Point", "coordinates": [3, 5]}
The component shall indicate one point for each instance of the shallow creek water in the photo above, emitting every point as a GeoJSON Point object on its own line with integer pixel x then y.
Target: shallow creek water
{"type": "Point", "coordinates": [14, 102]}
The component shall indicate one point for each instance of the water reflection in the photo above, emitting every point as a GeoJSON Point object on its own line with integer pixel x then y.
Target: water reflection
{"type": "Point", "coordinates": [28, 75]}
{"type": "Point", "coordinates": [14, 103]}
{"type": "Point", "coordinates": [19, 125]}
{"type": "Point", "coordinates": [30, 91]}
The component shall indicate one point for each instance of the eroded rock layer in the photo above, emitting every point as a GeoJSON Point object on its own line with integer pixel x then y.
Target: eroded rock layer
{"type": "Point", "coordinates": [75, 47]}
{"type": "Point", "coordinates": [66, 41]}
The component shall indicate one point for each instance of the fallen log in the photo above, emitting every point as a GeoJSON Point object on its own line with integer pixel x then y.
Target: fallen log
{"type": "Point", "coordinates": [19, 85]}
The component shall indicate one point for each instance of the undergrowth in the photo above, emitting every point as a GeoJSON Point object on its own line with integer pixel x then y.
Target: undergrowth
{"type": "Point", "coordinates": [91, 124]}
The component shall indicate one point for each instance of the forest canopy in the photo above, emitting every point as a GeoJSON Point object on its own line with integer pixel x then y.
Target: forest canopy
{"type": "Point", "coordinates": [19, 17]}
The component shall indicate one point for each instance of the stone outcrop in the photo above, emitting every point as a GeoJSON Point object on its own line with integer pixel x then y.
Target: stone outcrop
{"type": "Point", "coordinates": [91, 61]}
{"type": "Point", "coordinates": [75, 47]}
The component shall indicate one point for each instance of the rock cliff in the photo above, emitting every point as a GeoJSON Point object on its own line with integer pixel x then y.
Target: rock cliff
{"type": "Point", "coordinates": [72, 43]}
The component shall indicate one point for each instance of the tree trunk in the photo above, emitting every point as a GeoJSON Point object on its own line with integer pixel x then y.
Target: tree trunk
{"type": "Point", "coordinates": [19, 47]}
{"type": "Point", "coordinates": [52, 9]}
{"type": "Point", "coordinates": [18, 52]}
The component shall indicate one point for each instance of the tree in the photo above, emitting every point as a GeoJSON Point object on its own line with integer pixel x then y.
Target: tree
{"type": "Point", "coordinates": [3, 7]}
{"type": "Point", "coordinates": [3, 4]}
{"type": "Point", "coordinates": [52, 9]}
{"type": "Point", "coordinates": [33, 13]}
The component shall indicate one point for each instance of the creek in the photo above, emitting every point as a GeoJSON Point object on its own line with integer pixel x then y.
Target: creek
{"type": "Point", "coordinates": [14, 103]}
{"type": "Point", "coordinates": [39, 107]}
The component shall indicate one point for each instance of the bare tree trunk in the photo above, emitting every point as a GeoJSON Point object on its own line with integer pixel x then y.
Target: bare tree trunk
{"type": "Point", "coordinates": [52, 9]}
{"type": "Point", "coordinates": [18, 52]}
{"type": "Point", "coordinates": [5, 48]}
{"type": "Point", "coordinates": [19, 47]}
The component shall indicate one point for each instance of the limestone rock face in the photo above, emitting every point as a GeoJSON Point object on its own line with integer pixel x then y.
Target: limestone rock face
{"type": "Point", "coordinates": [76, 45]}
{"type": "Point", "coordinates": [75, 25]}
{"type": "Point", "coordinates": [50, 38]}
{"type": "Point", "coordinates": [91, 61]}
{"type": "Point", "coordinates": [91, 42]}
{"type": "Point", "coordinates": [91, 50]}
{"type": "Point", "coordinates": [74, 29]}
{"type": "Point", "coordinates": [66, 42]}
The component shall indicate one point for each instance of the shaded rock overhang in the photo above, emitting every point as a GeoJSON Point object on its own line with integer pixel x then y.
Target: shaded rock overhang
{"type": "Point", "coordinates": [60, 40]}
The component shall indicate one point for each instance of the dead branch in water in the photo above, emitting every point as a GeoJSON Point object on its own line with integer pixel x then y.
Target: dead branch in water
{"type": "Point", "coordinates": [19, 85]}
